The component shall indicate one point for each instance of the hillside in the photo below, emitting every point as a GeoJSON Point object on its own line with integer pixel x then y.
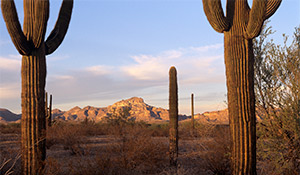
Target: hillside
{"type": "Point", "coordinates": [8, 116]}
{"type": "Point", "coordinates": [138, 110]}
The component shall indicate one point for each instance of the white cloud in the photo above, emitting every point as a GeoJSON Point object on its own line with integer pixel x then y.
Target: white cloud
{"type": "Point", "coordinates": [61, 77]}
{"type": "Point", "coordinates": [10, 91]}
{"type": "Point", "coordinates": [199, 69]}
{"type": "Point", "coordinates": [193, 63]}
{"type": "Point", "coordinates": [10, 63]}
{"type": "Point", "coordinates": [99, 70]}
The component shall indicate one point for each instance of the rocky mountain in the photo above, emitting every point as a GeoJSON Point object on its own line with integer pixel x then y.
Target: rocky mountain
{"type": "Point", "coordinates": [138, 111]}
{"type": "Point", "coordinates": [8, 116]}
{"type": "Point", "coordinates": [220, 116]}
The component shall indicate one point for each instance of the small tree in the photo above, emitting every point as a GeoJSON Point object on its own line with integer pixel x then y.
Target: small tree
{"type": "Point", "coordinates": [277, 88]}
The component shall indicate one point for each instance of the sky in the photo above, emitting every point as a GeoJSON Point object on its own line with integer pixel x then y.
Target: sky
{"type": "Point", "coordinates": [118, 49]}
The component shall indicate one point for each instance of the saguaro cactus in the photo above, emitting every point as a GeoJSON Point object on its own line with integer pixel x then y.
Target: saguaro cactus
{"type": "Point", "coordinates": [192, 113]}
{"type": "Point", "coordinates": [31, 45]}
{"type": "Point", "coordinates": [173, 117]}
{"type": "Point", "coordinates": [240, 25]}
{"type": "Point", "coordinates": [46, 105]}
{"type": "Point", "coordinates": [50, 112]}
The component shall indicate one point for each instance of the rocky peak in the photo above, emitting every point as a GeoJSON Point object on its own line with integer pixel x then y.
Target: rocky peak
{"type": "Point", "coordinates": [75, 109]}
{"type": "Point", "coordinates": [129, 102]}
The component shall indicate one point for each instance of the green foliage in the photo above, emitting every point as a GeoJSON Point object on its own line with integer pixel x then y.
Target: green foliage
{"type": "Point", "coordinates": [277, 84]}
{"type": "Point", "coordinates": [119, 117]}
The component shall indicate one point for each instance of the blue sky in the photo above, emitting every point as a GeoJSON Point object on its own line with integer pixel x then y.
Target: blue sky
{"type": "Point", "coordinates": [117, 49]}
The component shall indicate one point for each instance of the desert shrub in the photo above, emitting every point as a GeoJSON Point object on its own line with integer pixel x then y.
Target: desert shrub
{"type": "Point", "coordinates": [277, 84]}
{"type": "Point", "coordinates": [185, 130]}
{"type": "Point", "coordinates": [159, 130]}
{"type": "Point", "coordinates": [52, 167]}
{"type": "Point", "coordinates": [204, 129]}
{"type": "Point", "coordinates": [10, 161]}
{"type": "Point", "coordinates": [132, 152]}
{"type": "Point", "coordinates": [216, 152]}
{"type": "Point", "coordinates": [71, 136]}
{"type": "Point", "coordinates": [138, 151]}
{"type": "Point", "coordinates": [10, 128]}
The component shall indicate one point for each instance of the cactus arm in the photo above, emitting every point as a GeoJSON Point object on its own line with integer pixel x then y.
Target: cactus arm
{"type": "Point", "coordinates": [41, 11]}
{"type": "Point", "coordinates": [215, 15]}
{"type": "Point", "coordinates": [272, 6]}
{"type": "Point", "coordinates": [11, 19]}
{"type": "Point", "coordinates": [58, 33]}
{"type": "Point", "coordinates": [256, 18]}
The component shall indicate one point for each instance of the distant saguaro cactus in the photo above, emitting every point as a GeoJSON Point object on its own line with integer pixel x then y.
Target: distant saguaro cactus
{"type": "Point", "coordinates": [240, 25]}
{"type": "Point", "coordinates": [173, 117]}
{"type": "Point", "coordinates": [48, 110]}
{"type": "Point", "coordinates": [46, 105]}
{"type": "Point", "coordinates": [31, 45]}
{"type": "Point", "coordinates": [192, 113]}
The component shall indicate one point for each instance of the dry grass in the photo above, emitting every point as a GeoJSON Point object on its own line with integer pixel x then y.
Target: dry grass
{"type": "Point", "coordinates": [12, 128]}
{"type": "Point", "coordinates": [96, 149]}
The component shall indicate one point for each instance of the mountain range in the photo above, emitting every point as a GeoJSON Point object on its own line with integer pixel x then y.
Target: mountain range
{"type": "Point", "coordinates": [137, 108]}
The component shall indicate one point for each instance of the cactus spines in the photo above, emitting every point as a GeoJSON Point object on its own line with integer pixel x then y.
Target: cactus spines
{"type": "Point", "coordinates": [240, 25]}
{"type": "Point", "coordinates": [173, 117]}
{"type": "Point", "coordinates": [31, 45]}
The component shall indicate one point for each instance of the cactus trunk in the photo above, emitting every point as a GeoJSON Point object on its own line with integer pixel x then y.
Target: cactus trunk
{"type": "Point", "coordinates": [31, 45]}
{"type": "Point", "coordinates": [33, 112]}
{"type": "Point", "coordinates": [240, 25]}
{"type": "Point", "coordinates": [173, 117]}
{"type": "Point", "coordinates": [239, 62]}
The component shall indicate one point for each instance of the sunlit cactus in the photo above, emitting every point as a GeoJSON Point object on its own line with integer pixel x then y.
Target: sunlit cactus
{"type": "Point", "coordinates": [240, 25]}
{"type": "Point", "coordinates": [30, 43]}
{"type": "Point", "coordinates": [173, 117]}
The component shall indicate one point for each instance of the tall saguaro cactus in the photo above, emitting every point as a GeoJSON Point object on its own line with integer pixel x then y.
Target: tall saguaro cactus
{"type": "Point", "coordinates": [240, 25]}
{"type": "Point", "coordinates": [31, 45]}
{"type": "Point", "coordinates": [173, 116]}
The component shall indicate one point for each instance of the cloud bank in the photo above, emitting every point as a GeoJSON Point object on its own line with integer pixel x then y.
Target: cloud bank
{"type": "Point", "coordinates": [200, 70]}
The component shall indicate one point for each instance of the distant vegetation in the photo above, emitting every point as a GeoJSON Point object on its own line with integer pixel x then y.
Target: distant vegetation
{"type": "Point", "coordinates": [126, 148]}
